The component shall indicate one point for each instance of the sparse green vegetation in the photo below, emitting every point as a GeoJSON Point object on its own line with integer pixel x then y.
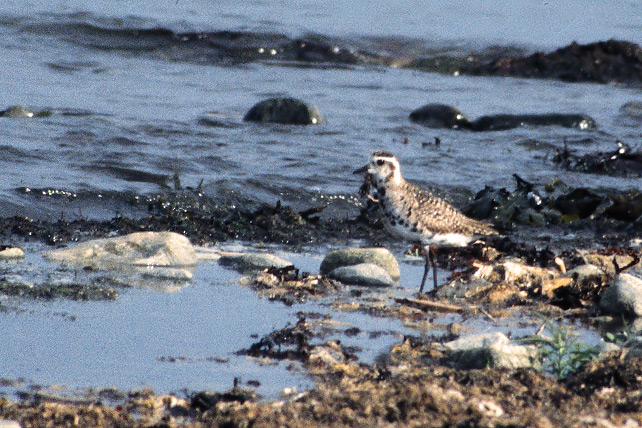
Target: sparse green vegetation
{"type": "Point", "coordinates": [560, 352]}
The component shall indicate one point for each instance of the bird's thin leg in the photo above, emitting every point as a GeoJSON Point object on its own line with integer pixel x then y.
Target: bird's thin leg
{"type": "Point", "coordinates": [429, 261]}
{"type": "Point", "coordinates": [434, 270]}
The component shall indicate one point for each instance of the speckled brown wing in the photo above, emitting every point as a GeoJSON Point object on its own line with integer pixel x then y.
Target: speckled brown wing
{"type": "Point", "coordinates": [439, 216]}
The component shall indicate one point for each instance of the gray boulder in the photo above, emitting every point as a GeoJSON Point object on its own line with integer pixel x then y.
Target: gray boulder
{"type": "Point", "coordinates": [289, 111]}
{"type": "Point", "coordinates": [623, 297]}
{"type": "Point", "coordinates": [354, 256]}
{"type": "Point", "coordinates": [490, 350]}
{"type": "Point", "coordinates": [249, 263]}
{"type": "Point", "coordinates": [363, 274]}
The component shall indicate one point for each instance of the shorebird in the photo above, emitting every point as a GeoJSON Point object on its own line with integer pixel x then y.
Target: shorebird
{"type": "Point", "coordinates": [416, 215]}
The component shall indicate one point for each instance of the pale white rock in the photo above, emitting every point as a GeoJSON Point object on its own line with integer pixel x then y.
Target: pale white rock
{"type": "Point", "coordinates": [477, 341]}
{"type": "Point", "coordinates": [492, 350]}
{"type": "Point", "coordinates": [11, 253]}
{"type": "Point", "coordinates": [156, 254]}
{"type": "Point", "coordinates": [326, 354]}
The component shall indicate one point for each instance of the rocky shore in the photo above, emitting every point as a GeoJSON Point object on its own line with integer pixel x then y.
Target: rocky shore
{"type": "Point", "coordinates": [452, 378]}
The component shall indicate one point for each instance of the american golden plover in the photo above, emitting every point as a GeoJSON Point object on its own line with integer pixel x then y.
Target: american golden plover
{"type": "Point", "coordinates": [416, 215]}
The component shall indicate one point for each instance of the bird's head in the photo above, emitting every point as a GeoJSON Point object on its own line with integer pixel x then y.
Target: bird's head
{"type": "Point", "coordinates": [383, 167]}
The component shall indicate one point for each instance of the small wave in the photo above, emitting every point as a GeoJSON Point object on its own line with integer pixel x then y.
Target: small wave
{"type": "Point", "coordinates": [133, 35]}
{"type": "Point", "coordinates": [11, 155]}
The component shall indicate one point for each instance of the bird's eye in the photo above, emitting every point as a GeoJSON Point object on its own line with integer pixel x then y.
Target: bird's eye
{"type": "Point", "coordinates": [380, 162]}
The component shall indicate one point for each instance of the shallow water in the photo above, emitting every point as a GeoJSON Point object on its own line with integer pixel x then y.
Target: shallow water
{"type": "Point", "coordinates": [127, 115]}
{"type": "Point", "coordinates": [128, 343]}
{"type": "Point", "coordinates": [185, 337]}
{"type": "Point", "coordinates": [169, 339]}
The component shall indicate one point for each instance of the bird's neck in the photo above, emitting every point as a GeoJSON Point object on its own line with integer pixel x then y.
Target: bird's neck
{"type": "Point", "coordinates": [390, 182]}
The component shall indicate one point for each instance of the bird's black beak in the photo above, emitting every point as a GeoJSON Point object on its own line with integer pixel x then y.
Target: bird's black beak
{"type": "Point", "coordinates": [361, 170]}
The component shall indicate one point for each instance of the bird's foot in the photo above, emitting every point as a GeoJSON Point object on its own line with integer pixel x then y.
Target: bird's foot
{"type": "Point", "coordinates": [433, 292]}
{"type": "Point", "coordinates": [427, 294]}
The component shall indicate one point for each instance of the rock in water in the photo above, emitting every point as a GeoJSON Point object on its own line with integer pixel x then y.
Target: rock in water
{"type": "Point", "coordinates": [363, 274]}
{"type": "Point", "coordinates": [165, 250]}
{"type": "Point", "coordinates": [440, 116]}
{"type": "Point", "coordinates": [289, 111]}
{"type": "Point", "coordinates": [247, 263]}
{"type": "Point", "coordinates": [354, 256]}
{"type": "Point", "coordinates": [632, 109]}
{"type": "Point", "coordinates": [17, 111]}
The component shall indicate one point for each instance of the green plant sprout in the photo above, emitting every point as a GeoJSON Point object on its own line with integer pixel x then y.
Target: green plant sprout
{"type": "Point", "coordinates": [559, 351]}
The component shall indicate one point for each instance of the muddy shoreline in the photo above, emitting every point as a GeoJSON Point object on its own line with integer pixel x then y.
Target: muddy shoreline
{"type": "Point", "coordinates": [404, 393]}
{"type": "Point", "coordinates": [415, 384]}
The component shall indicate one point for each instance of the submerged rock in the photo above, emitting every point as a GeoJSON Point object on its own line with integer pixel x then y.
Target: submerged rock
{"type": "Point", "coordinates": [632, 109]}
{"type": "Point", "coordinates": [289, 111]}
{"type": "Point", "coordinates": [20, 111]}
{"type": "Point", "coordinates": [57, 290]}
{"type": "Point", "coordinates": [440, 116]}
{"type": "Point", "coordinates": [363, 274]}
{"type": "Point", "coordinates": [164, 251]}
{"type": "Point", "coordinates": [623, 297]}
{"type": "Point", "coordinates": [354, 256]}
{"type": "Point", "coordinates": [490, 350]}
{"type": "Point", "coordinates": [247, 263]}
{"type": "Point", "coordinates": [17, 111]}
{"type": "Point", "coordinates": [317, 50]}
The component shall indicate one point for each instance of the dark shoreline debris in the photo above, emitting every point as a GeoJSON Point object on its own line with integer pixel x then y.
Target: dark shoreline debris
{"type": "Point", "coordinates": [442, 116]}
{"type": "Point", "coordinates": [61, 290]}
{"type": "Point", "coordinates": [623, 161]}
{"type": "Point", "coordinates": [602, 62]}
